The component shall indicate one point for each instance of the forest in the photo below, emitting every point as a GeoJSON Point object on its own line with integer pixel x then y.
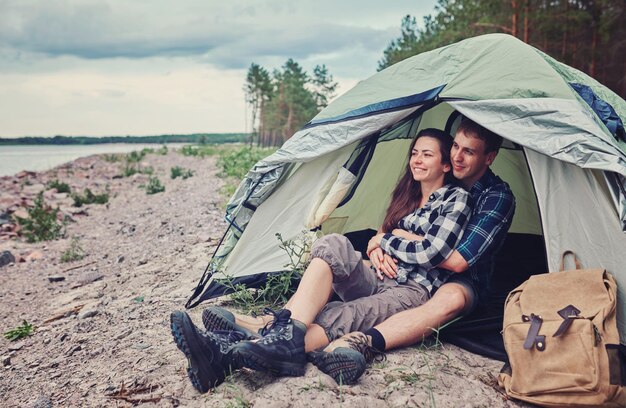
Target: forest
{"type": "Point", "coordinates": [589, 35]}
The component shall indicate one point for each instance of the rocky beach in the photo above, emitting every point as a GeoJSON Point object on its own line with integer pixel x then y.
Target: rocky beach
{"type": "Point", "coordinates": [101, 323]}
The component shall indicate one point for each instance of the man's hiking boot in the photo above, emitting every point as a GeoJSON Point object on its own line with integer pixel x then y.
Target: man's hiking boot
{"type": "Point", "coordinates": [209, 355]}
{"type": "Point", "coordinates": [219, 319]}
{"type": "Point", "coordinates": [281, 349]}
{"type": "Point", "coordinates": [346, 358]}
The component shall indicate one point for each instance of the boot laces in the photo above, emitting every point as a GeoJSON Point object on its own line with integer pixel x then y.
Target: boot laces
{"type": "Point", "coordinates": [361, 344]}
{"type": "Point", "coordinates": [275, 329]}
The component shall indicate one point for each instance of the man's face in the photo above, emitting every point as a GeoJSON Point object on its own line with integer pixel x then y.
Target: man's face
{"type": "Point", "coordinates": [469, 160]}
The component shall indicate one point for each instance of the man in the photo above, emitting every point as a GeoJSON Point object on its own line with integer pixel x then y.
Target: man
{"type": "Point", "coordinates": [281, 350]}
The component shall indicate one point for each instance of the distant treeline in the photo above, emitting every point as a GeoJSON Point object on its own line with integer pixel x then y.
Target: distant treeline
{"type": "Point", "coordinates": [199, 138]}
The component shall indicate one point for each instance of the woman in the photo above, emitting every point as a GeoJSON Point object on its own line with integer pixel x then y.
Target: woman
{"type": "Point", "coordinates": [423, 223]}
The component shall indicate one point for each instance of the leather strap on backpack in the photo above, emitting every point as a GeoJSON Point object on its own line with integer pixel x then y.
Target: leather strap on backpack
{"type": "Point", "coordinates": [568, 313]}
{"type": "Point", "coordinates": [576, 261]}
{"type": "Point", "coordinates": [533, 338]}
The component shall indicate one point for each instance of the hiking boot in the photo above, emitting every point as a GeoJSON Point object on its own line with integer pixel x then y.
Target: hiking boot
{"type": "Point", "coordinates": [346, 358]}
{"type": "Point", "coordinates": [281, 349]}
{"type": "Point", "coordinates": [219, 319]}
{"type": "Point", "coordinates": [209, 355]}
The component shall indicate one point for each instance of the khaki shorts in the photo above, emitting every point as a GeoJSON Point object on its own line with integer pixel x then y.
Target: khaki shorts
{"type": "Point", "coordinates": [366, 300]}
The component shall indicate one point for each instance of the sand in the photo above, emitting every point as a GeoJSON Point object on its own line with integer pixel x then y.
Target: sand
{"type": "Point", "coordinates": [102, 334]}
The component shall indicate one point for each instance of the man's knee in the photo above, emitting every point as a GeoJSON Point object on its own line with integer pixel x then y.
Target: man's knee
{"type": "Point", "coordinates": [451, 299]}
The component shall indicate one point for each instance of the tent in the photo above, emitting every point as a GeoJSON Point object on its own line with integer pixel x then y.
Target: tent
{"type": "Point", "coordinates": [564, 157]}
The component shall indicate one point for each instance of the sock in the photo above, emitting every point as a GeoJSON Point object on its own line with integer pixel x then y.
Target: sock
{"type": "Point", "coordinates": [378, 341]}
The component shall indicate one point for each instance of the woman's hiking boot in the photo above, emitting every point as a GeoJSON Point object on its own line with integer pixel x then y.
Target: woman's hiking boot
{"type": "Point", "coordinates": [346, 358]}
{"type": "Point", "coordinates": [281, 349]}
{"type": "Point", "coordinates": [209, 355]}
{"type": "Point", "coordinates": [219, 319]}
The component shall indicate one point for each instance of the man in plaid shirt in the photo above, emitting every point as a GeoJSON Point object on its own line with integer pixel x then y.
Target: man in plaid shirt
{"type": "Point", "coordinates": [471, 263]}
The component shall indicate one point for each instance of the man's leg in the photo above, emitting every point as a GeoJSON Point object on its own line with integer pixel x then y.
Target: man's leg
{"type": "Point", "coordinates": [411, 326]}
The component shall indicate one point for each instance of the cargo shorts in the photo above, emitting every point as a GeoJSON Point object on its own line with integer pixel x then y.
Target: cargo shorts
{"type": "Point", "coordinates": [366, 301]}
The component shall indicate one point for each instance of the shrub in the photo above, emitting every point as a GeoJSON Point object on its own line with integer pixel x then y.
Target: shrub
{"type": "Point", "coordinates": [154, 186]}
{"type": "Point", "coordinates": [111, 158]}
{"type": "Point", "coordinates": [74, 253]}
{"type": "Point", "coordinates": [237, 162]}
{"type": "Point", "coordinates": [19, 332]}
{"type": "Point", "coordinates": [279, 286]}
{"type": "Point", "coordinates": [135, 156]}
{"type": "Point", "coordinates": [88, 197]}
{"type": "Point", "coordinates": [162, 151]}
{"type": "Point", "coordinates": [59, 186]}
{"type": "Point", "coordinates": [177, 171]}
{"type": "Point", "coordinates": [42, 223]}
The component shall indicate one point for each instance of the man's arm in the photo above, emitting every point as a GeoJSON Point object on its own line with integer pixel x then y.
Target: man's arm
{"type": "Point", "coordinates": [494, 213]}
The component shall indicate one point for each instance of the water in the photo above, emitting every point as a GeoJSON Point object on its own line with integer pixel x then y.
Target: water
{"type": "Point", "coordinates": [14, 159]}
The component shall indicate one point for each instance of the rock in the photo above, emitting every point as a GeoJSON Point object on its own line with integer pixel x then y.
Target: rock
{"type": "Point", "coordinates": [34, 256]}
{"type": "Point", "coordinates": [33, 189]}
{"type": "Point", "coordinates": [16, 346]}
{"type": "Point", "coordinates": [56, 278]}
{"type": "Point", "coordinates": [6, 258]}
{"type": "Point", "coordinates": [73, 349]}
{"type": "Point", "coordinates": [89, 277]}
{"type": "Point", "coordinates": [123, 334]}
{"type": "Point", "coordinates": [21, 213]}
{"type": "Point", "coordinates": [42, 402]}
{"type": "Point", "coordinates": [86, 314]}
{"type": "Point", "coordinates": [6, 361]}
{"type": "Point", "coordinates": [143, 261]}
{"type": "Point", "coordinates": [142, 345]}
{"type": "Point", "coordinates": [120, 259]}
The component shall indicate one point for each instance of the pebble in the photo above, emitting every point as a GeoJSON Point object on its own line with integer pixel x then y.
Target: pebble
{"type": "Point", "coordinates": [73, 349]}
{"type": "Point", "coordinates": [42, 402]}
{"type": "Point", "coordinates": [6, 258]}
{"type": "Point", "coordinates": [143, 261]}
{"type": "Point", "coordinates": [87, 313]}
{"type": "Point", "coordinates": [6, 361]}
{"type": "Point", "coordinates": [120, 259]}
{"type": "Point", "coordinates": [56, 278]}
{"type": "Point", "coordinates": [16, 346]}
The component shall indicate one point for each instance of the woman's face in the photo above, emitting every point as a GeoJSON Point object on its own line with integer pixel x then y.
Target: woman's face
{"type": "Point", "coordinates": [425, 161]}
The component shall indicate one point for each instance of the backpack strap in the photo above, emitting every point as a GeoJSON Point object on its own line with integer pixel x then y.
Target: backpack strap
{"type": "Point", "coordinates": [533, 338]}
{"type": "Point", "coordinates": [568, 313]}
{"type": "Point", "coordinates": [576, 261]}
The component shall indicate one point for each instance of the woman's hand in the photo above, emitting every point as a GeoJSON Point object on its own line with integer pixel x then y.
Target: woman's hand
{"type": "Point", "coordinates": [374, 243]}
{"type": "Point", "coordinates": [384, 264]}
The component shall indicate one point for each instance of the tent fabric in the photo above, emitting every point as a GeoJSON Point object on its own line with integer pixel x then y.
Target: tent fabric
{"type": "Point", "coordinates": [566, 168]}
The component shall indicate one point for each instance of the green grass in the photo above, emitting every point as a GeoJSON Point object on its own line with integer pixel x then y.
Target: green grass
{"type": "Point", "coordinates": [59, 186]}
{"type": "Point", "coordinates": [154, 186]}
{"type": "Point", "coordinates": [74, 253]}
{"type": "Point", "coordinates": [111, 158]}
{"type": "Point", "coordinates": [19, 332]}
{"type": "Point", "coordinates": [88, 197]}
{"type": "Point", "coordinates": [178, 171]}
{"type": "Point", "coordinates": [42, 223]}
{"type": "Point", "coordinates": [279, 286]}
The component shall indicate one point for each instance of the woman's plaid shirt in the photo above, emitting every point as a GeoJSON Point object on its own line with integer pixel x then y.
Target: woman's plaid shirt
{"type": "Point", "coordinates": [441, 222]}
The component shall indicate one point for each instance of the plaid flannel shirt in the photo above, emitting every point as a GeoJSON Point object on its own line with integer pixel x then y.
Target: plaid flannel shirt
{"type": "Point", "coordinates": [441, 222]}
{"type": "Point", "coordinates": [493, 209]}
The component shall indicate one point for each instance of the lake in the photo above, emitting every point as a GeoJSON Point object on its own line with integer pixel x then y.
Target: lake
{"type": "Point", "coordinates": [14, 159]}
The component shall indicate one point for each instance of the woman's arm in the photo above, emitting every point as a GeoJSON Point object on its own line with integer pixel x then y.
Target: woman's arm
{"type": "Point", "coordinates": [438, 241]}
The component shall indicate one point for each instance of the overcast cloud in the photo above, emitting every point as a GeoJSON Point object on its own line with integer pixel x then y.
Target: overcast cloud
{"type": "Point", "coordinates": [151, 67]}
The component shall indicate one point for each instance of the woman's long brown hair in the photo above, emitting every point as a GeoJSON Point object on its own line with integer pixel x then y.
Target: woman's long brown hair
{"type": "Point", "coordinates": [407, 194]}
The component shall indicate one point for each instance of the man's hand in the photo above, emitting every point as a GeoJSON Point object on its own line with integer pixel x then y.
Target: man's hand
{"type": "Point", "coordinates": [384, 264]}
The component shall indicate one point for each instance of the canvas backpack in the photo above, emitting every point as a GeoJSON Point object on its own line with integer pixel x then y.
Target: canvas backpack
{"type": "Point", "coordinates": [560, 335]}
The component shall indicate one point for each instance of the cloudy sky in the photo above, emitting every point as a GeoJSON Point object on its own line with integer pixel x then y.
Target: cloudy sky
{"type": "Point", "coordinates": [119, 67]}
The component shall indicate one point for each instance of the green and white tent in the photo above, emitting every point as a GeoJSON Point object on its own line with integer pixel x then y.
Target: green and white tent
{"type": "Point", "coordinates": [562, 157]}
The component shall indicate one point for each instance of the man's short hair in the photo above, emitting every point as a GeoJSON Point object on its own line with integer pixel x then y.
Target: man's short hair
{"type": "Point", "coordinates": [473, 129]}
